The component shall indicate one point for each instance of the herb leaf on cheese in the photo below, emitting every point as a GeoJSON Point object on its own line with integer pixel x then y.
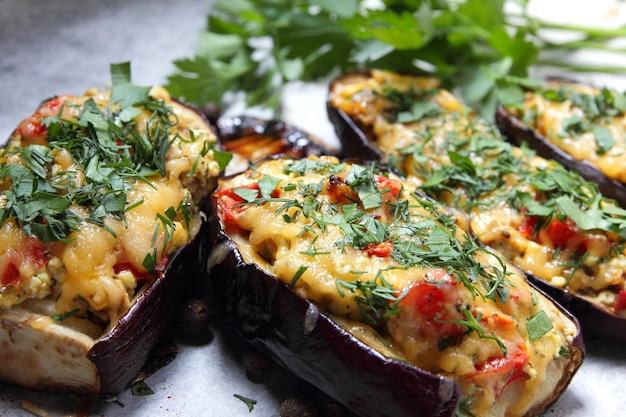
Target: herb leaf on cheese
{"type": "Point", "coordinates": [112, 152]}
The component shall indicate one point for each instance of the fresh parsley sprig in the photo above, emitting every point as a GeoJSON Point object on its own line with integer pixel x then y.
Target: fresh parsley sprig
{"type": "Point", "coordinates": [256, 46]}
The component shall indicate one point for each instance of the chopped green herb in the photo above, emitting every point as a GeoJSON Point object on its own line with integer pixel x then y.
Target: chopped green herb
{"type": "Point", "coordinates": [140, 388]}
{"type": "Point", "coordinates": [538, 326]}
{"type": "Point", "coordinates": [62, 316]}
{"type": "Point", "coordinates": [301, 270]}
{"type": "Point", "coordinates": [250, 403]}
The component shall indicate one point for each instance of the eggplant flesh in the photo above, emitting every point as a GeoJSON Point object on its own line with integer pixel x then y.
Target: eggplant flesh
{"type": "Point", "coordinates": [251, 138]}
{"type": "Point", "coordinates": [312, 341]}
{"type": "Point", "coordinates": [359, 134]}
{"type": "Point", "coordinates": [117, 309]}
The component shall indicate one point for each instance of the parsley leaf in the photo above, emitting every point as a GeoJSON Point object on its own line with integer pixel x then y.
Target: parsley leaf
{"type": "Point", "coordinates": [538, 326]}
{"type": "Point", "coordinates": [122, 90]}
{"type": "Point", "coordinates": [256, 46]}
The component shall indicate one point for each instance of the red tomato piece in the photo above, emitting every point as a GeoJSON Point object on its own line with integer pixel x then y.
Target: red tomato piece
{"type": "Point", "coordinates": [527, 228]}
{"type": "Point", "coordinates": [9, 273]}
{"type": "Point", "coordinates": [127, 266]}
{"type": "Point", "coordinates": [390, 186]}
{"type": "Point", "coordinates": [230, 203]}
{"type": "Point", "coordinates": [620, 301]}
{"type": "Point", "coordinates": [31, 128]}
{"type": "Point", "coordinates": [431, 303]}
{"type": "Point", "coordinates": [503, 370]}
{"type": "Point", "coordinates": [561, 232]}
{"type": "Point", "coordinates": [382, 249]}
{"type": "Point", "coordinates": [30, 253]}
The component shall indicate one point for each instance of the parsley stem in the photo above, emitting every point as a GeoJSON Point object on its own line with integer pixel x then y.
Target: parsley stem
{"type": "Point", "coordinates": [584, 44]}
{"type": "Point", "coordinates": [581, 68]}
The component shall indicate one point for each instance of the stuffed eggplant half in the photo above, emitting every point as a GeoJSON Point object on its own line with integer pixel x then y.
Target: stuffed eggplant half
{"type": "Point", "coordinates": [579, 126]}
{"type": "Point", "coordinates": [100, 221]}
{"type": "Point", "coordinates": [380, 297]}
{"type": "Point", "coordinates": [547, 220]}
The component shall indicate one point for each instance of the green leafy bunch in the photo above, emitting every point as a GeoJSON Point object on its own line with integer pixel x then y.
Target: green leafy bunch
{"type": "Point", "coordinates": [480, 46]}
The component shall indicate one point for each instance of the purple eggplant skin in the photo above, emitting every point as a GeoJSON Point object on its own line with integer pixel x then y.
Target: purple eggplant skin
{"type": "Point", "coordinates": [273, 318]}
{"type": "Point", "coordinates": [238, 134]}
{"type": "Point", "coordinates": [120, 354]}
{"type": "Point", "coordinates": [355, 142]}
{"type": "Point", "coordinates": [518, 133]}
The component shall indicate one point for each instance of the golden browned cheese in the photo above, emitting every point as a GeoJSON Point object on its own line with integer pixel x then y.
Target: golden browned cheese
{"type": "Point", "coordinates": [100, 268]}
{"type": "Point", "coordinates": [570, 116]}
{"type": "Point", "coordinates": [586, 261]}
{"type": "Point", "coordinates": [306, 227]}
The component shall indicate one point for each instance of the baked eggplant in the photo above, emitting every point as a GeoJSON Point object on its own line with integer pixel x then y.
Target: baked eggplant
{"type": "Point", "coordinates": [579, 126]}
{"type": "Point", "coordinates": [100, 214]}
{"type": "Point", "coordinates": [545, 219]}
{"type": "Point", "coordinates": [380, 297]}
{"type": "Point", "coordinates": [250, 139]}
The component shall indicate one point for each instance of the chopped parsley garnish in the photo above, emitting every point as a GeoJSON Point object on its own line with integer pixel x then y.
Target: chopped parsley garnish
{"type": "Point", "coordinates": [63, 316]}
{"type": "Point", "coordinates": [250, 403]}
{"type": "Point", "coordinates": [111, 152]}
{"type": "Point", "coordinates": [538, 326]}
{"type": "Point", "coordinates": [140, 388]}
{"type": "Point", "coordinates": [417, 232]}
{"type": "Point", "coordinates": [477, 167]}
{"type": "Point", "coordinates": [301, 270]}
{"type": "Point", "coordinates": [591, 113]}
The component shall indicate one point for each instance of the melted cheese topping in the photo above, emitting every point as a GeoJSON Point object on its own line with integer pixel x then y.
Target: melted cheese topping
{"type": "Point", "coordinates": [300, 231]}
{"type": "Point", "coordinates": [95, 275]}
{"type": "Point", "coordinates": [571, 123]}
{"type": "Point", "coordinates": [590, 263]}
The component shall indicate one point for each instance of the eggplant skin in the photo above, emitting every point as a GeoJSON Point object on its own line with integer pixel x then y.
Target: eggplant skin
{"type": "Point", "coordinates": [120, 354]}
{"type": "Point", "coordinates": [272, 317]}
{"type": "Point", "coordinates": [354, 138]}
{"type": "Point", "coordinates": [519, 133]}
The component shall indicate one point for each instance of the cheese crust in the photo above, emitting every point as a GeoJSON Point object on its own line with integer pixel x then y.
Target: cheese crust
{"type": "Point", "coordinates": [463, 161]}
{"type": "Point", "coordinates": [587, 123]}
{"type": "Point", "coordinates": [383, 263]}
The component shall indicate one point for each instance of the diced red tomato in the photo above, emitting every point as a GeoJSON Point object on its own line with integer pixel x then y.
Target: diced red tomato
{"type": "Point", "coordinates": [30, 253]}
{"type": "Point", "coordinates": [503, 370]}
{"type": "Point", "coordinates": [382, 249]}
{"type": "Point", "coordinates": [31, 129]}
{"type": "Point", "coordinates": [620, 302]}
{"type": "Point", "coordinates": [527, 228]}
{"type": "Point", "coordinates": [230, 204]}
{"type": "Point", "coordinates": [391, 186]}
{"type": "Point", "coordinates": [431, 304]}
{"type": "Point", "coordinates": [561, 232]}
{"type": "Point", "coordinates": [9, 273]}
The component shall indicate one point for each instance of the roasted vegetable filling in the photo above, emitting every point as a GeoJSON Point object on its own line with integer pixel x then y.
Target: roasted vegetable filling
{"type": "Point", "coordinates": [401, 273]}
{"type": "Point", "coordinates": [545, 219]}
{"type": "Point", "coordinates": [96, 192]}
